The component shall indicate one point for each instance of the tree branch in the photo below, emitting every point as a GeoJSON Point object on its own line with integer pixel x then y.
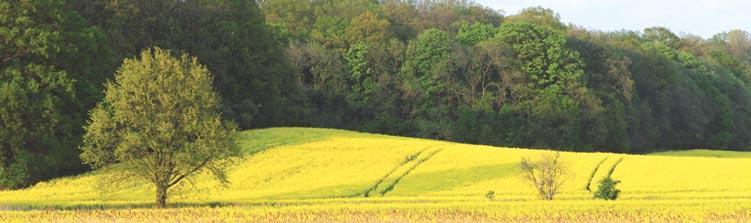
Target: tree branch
{"type": "Point", "coordinates": [10, 57]}
{"type": "Point", "coordinates": [196, 168]}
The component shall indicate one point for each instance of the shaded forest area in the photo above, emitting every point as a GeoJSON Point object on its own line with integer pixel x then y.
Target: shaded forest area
{"type": "Point", "coordinates": [441, 69]}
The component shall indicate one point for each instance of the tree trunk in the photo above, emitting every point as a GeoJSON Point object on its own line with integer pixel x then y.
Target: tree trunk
{"type": "Point", "coordinates": [161, 196]}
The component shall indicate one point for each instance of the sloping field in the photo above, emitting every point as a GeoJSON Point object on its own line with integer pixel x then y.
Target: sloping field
{"type": "Point", "coordinates": [289, 170]}
{"type": "Point", "coordinates": [706, 153]}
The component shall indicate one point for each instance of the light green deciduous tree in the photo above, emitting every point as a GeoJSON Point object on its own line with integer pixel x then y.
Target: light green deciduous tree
{"type": "Point", "coordinates": [160, 120]}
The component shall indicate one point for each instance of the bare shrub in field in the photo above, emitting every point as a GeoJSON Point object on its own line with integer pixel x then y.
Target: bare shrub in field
{"type": "Point", "coordinates": [547, 174]}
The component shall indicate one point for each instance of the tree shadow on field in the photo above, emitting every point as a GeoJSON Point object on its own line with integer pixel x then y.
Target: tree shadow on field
{"type": "Point", "coordinates": [253, 142]}
{"type": "Point", "coordinates": [418, 183]}
{"type": "Point", "coordinates": [434, 181]}
{"type": "Point", "coordinates": [414, 183]}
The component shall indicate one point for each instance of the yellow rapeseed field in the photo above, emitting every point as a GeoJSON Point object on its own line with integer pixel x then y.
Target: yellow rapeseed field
{"type": "Point", "coordinates": [304, 175]}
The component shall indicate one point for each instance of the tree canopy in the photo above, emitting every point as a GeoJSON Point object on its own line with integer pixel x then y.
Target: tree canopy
{"type": "Point", "coordinates": [230, 36]}
{"type": "Point", "coordinates": [52, 66]}
{"type": "Point", "coordinates": [160, 119]}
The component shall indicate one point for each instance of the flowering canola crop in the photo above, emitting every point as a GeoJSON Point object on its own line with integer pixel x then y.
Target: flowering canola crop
{"type": "Point", "coordinates": [303, 175]}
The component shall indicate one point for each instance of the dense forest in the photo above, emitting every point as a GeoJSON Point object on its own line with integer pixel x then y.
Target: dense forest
{"type": "Point", "coordinates": [441, 69]}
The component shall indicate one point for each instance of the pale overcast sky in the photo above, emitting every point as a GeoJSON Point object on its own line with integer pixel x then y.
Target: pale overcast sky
{"type": "Point", "coordinates": [700, 17]}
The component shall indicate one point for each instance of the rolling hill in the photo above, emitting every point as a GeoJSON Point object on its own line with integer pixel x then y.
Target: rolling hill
{"type": "Point", "coordinates": [308, 164]}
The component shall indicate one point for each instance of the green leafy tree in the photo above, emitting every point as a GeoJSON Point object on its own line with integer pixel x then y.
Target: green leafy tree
{"type": "Point", "coordinates": [330, 31]}
{"type": "Point", "coordinates": [475, 33]}
{"type": "Point", "coordinates": [323, 73]}
{"type": "Point", "coordinates": [231, 37]}
{"type": "Point", "coordinates": [424, 56]}
{"type": "Point", "coordinates": [544, 55]}
{"type": "Point", "coordinates": [539, 16]}
{"type": "Point", "coordinates": [296, 16]}
{"type": "Point", "coordinates": [362, 78]}
{"type": "Point", "coordinates": [52, 65]}
{"type": "Point", "coordinates": [160, 120]}
{"type": "Point", "coordinates": [556, 96]}
{"type": "Point", "coordinates": [368, 28]}
{"type": "Point", "coordinates": [661, 35]}
{"type": "Point", "coordinates": [610, 80]}
{"type": "Point", "coordinates": [665, 86]}
{"type": "Point", "coordinates": [345, 9]}
{"type": "Point", "coordinates": [401, 16]}
{"type": "Point", "coordinates": [426, 82]}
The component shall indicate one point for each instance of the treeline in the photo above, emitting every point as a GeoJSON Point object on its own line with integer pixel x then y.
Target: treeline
{"type": "Point", "coordinates": [442, 69]}
{"type": "Point", "coordinates": [459, 71]}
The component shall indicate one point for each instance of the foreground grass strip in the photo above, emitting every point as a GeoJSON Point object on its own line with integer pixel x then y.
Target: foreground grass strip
{"type": "Point", "coordinates": [470, 211]}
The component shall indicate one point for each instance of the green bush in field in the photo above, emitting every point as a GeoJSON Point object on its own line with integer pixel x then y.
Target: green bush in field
{"type": "Point", "coordinates": [606, 190]}
{"type": "Point", "coordinates": [490, 195]}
